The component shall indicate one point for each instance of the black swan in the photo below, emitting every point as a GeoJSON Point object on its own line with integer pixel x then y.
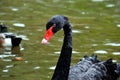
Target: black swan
{"type": "Point", "coordinates": [93, 70]}
{"type": "Point", "coordinates": [7, 38]}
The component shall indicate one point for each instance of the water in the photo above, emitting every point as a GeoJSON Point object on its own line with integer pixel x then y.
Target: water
{"type": "Point", "coordinates": [96, 29]}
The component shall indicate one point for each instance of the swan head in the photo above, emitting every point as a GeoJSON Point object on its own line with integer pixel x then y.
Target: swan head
{"type": "Point", "coordinates": [55, 23]}
{"type": "Point", "coordinates": [50, 30]}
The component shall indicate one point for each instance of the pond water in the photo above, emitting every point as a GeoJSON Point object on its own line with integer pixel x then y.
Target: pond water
{"type": "Point", "coordinates": [96, 29]}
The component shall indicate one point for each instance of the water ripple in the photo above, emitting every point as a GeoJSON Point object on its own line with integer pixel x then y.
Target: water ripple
{"type": "Point", "coordinates": [52, 67]}
{"type": "Point", "coordinates": [19, 24]}
{"type": "Point", "coordinates": [5, 70]}
{"type": "Point", "coordinates": [37, 67]}
{"type": "Point", "coordinates": [74, 52]}
{"type": "Point", "coordinates": [4, 56]}
{"type": "Point", "coordinates": [76, 31]}
{"type": "Point", "coordinates": [118, 25]}
{"type": "Point", "coordinates": [9, 66]}
{"type": "Point", "coordinates": [97, 0]}
{"type": "Point", "coordinates": [112, 44]}
{"type": "Point", "coordinates": [116, 53]}
{"type": "Point", "coordinates": [110, 5]}
{"type": "Point", "coordinates": [14, 9]}
{"type": "Point", "coordinates": [101, 52]}
{"type": "Point", "coordinates": [23, 37]}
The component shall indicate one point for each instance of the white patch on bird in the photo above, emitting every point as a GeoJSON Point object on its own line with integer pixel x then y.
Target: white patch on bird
{"type": "Point", "coordinates": [7, 44]}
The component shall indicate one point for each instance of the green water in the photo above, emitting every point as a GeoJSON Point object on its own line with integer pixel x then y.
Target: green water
{"type": "Point", "coordinates": [95, 24]}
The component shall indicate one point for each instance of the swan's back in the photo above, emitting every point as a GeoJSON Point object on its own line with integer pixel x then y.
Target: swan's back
{"type": "Point", "coordinates": [96, 72]}
{"type": "Point", "coordinates": [89, 68]}
{"type": "Point", "coordinates": [82, 66]}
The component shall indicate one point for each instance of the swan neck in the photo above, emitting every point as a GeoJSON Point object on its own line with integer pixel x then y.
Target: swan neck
{"type": "Point", "coordinates": [63, 65]}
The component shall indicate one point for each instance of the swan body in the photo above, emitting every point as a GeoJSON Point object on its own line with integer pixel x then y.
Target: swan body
{"type": "Point", "coordinates": [82, 66]}
{"type": "Point", "coordinates": [101, 70]}
{"type": "Point", "coordinates": [88, 68]}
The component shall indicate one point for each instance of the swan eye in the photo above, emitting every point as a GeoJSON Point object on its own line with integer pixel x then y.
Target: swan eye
{"type": "Point", "coordinates": [54, 25]}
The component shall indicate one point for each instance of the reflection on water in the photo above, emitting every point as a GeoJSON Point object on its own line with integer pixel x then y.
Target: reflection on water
{"type": "Point", "coordinates": [24, 37]}
{"type": "Point", "coordinates": [74, 52]}
{"type": "Point", "coordinates": [76, 31]}
{"type": "Point", "coordinates": [52, 67]}
{"type": "Point", "coordinates": [14, 9]}
{"type": "Point", "coordinates": [116, 53]}
{"type": "Point", "coordinates": [37, 67]}
{"type": "Point", "coordinates": [112, 44]}
{"type": "Point", "coordinates": [101, 52]}
{"type": "Point", "coordinates": [4, 55]}
{"type": "Point", "coordinates": [6, 70]}
{"type": "Point", "coordinates": [8, 56]}
{"type": "Point", "coordinates": [97, 0]}
{"type": "Point", "coordinates": [87, 27]}
{"type": "Point", "coordinates": [118, 25]}
{"type": "Point", "coordinates": [9, 66]}
{"type": "Point", "coordinates": [19, 24]}
{"type": "Point", "coordinates": [110, 5]}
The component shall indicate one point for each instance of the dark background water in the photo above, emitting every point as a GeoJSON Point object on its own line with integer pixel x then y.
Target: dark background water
{"type": "Point", "coordinates": [95, 24]}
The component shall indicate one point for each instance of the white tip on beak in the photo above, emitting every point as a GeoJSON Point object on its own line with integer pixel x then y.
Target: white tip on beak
{"type": "Point", "coordinates": [44, 41]}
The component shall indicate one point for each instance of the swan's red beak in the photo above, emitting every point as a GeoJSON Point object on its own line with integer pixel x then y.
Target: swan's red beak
{"type": "Point", "coordinates": [47, 35]}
